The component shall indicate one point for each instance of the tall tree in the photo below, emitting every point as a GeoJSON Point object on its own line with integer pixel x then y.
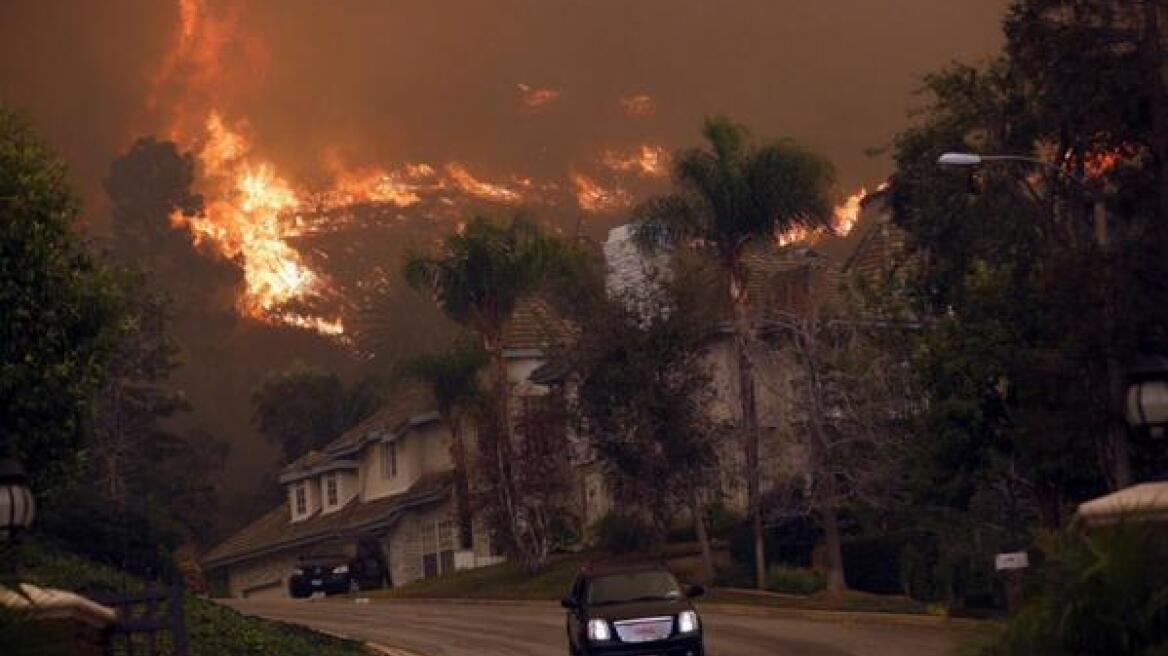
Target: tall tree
{"type": "Point", "coordinates": [731, 195]}
{"type": "Point", "coordinates": [477, 277]}
{"type": "Point", "coordinates": [135, 400]}
{"type": "Point", "coordinates": [850, 388]}
{"type": "Point", "coordinates": [643, 396]}
{"type": "Point", "coordinates": [301, 408]}
{"type": "Point", "coordinates": [452, 377]}
{"type": "Point", "coordinates": [57, 310]}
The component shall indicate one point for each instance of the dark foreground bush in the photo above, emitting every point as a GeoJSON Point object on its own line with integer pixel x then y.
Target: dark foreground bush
{"type": "Point", "coordinates": [794, 580]}
{"type": "Point", "coordinates": [622, 534]}
{"type": "Point", "coordinates": [1103, 593]}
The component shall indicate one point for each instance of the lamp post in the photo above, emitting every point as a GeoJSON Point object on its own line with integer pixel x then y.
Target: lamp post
{"type": "Point", "coordinates": [17, 506]}
{"type": "Point", "coordinates": [1147, 395]}
{"type": "Point", "coordinates": [1116, 430]}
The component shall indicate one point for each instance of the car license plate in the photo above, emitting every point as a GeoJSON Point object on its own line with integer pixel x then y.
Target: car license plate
{"type": "Point", "coordinates": [317, 582]}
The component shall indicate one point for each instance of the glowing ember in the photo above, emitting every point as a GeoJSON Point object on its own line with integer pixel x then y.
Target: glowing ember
{"type": "Point", "coordinates": [323, 326]}
{"type": "Point", "coordinates": [638, 105]}
{"type": "Point", "coordinates": [594, 198]}
{"type": "Point", "coordinates": [646, 160]}
{"type": "Point", "coordinates": [533, 97]}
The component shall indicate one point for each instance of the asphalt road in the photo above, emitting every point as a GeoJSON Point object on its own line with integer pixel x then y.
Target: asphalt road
{"type": "Point", "coordinates": [466, 629]}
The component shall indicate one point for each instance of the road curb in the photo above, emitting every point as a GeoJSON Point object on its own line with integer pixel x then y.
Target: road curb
{"type": "Point", "coordinates": [375, 647]}
{"type": "Point", "coordinates": [842, 616]}
{"type": "Point", "coordinates": [741, 610]}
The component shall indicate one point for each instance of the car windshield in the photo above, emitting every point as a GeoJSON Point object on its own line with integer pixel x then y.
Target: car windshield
{"type": "Point", "coordinates": [636, 586]}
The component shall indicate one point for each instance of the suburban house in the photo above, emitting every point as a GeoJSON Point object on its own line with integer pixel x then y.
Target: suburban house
{"type": "Point", "coordinates": [384, 489]}
{"type": "Point", "coordinates": [789, 279]}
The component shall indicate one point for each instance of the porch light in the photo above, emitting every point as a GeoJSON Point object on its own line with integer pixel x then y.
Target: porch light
{"type": "Point", "coordinates": [17, 507]}
{"type": "Point", "coordinates": [1147, 395]}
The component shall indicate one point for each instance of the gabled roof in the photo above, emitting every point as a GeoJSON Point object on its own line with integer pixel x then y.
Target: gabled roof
{"type": "Point", "coordinates": [275, 531]}
{"type": "Point", "coordinates": [408, 404]}
{"type": "Point", "coordinates": [535, 324]}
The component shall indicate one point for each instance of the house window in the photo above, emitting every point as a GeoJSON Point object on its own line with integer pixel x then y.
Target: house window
{"type": "Point", "coordinates": [301, 499]}
{"type": "Point", "coordinates": [389, 459]}
{"type": "Point", "coordinates": [439, 540]}
{"type": "Point", "coordinates": [330, 486]}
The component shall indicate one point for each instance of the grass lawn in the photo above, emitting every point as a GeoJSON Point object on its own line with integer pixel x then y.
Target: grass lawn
{"type": "Point", "coordinates": [213, 630]}
{"type": "Point", "coordinates": [512, 581]}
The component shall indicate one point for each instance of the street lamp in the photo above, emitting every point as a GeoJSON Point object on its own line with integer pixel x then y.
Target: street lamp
{"type": "Point", "coordinates": [17, 507]}
{"type": "Point", "coordinates": [968, 160]}
{"type": "Point", "coordinates": [1147, 395]}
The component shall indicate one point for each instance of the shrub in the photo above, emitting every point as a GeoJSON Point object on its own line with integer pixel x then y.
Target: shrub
{"type": "Point", "coordinates": [1105, 593]}
{"type": "Point", "coordinates": [734, 575]}
{"type": "Point", "coordinates": [622, 533]}
{"type": "Point", "coordinates": [794, 580]}
{"type": "Point", "coordinates": [721, 521]}
{"type": "Point", "coordinates": [787, 543]}
{"type": "Point", "coordinates": [874, 564]}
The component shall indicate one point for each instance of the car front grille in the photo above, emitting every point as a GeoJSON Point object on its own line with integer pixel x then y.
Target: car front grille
{"type": "Point", "coordinates": [644, 629]}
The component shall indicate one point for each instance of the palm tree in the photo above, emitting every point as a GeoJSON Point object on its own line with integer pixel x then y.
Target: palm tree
{"type": "Point", "coordinates": [452, 377]}
{"type": "Point", "coordinates": [477, 278]}
{"type": "Point", "coordinates": [729, 196]}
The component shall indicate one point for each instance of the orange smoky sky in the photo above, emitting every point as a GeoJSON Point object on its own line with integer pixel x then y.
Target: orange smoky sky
{"type": "Point", "coordinates": [396, 80]}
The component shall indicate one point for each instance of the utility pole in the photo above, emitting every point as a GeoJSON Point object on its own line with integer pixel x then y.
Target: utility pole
{"type": "Point", "coordinates": [1117, 442]}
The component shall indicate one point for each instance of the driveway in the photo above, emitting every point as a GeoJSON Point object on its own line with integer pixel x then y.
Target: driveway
{"type": "Point", "coordinates": [537, 629]}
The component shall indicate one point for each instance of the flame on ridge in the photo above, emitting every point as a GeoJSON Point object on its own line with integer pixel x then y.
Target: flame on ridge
{"type": "Point", "coordinates": [844, 219]}
{"type": "Point", "coordinates": [646, 160]}
{"type": "Point", "coordinates": [592, 197]}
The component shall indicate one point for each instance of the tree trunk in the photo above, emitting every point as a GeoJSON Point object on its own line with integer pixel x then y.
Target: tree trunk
{"type": "Point", "coordinates": [835, 555]}
{"type": "Point", "coordinates": [504, 452]}
{"type": "Point", "coordinates": [695, 508]}
{"type": "Point", "coordinates": [750, 435]}
{"type": "Point", "coordinates": [461, 481]}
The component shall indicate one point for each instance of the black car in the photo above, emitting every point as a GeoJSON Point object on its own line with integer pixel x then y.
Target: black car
{"type": "Point", "coordinates": [334, 574]}
{"type": "Point", "coordinates": [632, 610]}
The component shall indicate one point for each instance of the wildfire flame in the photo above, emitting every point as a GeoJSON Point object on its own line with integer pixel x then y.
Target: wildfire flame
{"type": "Point", "coordinates": [647, 160]}
{"type": "Point", "coordinates": [249, 220]}
{"type": "Point", "coordinates": [592, 197]}
{"type": "Point", "coordinates": [533, 97]}
{"type": "Point", "coordinates": [844, 219]}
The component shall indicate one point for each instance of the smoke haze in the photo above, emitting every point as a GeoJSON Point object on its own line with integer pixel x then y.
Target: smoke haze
{"type": "Point", "coordinates": [561, 94]}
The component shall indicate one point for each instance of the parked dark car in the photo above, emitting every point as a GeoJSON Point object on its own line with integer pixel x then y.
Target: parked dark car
{"type": "Point", "coordinates": [334, 574]}
{"type": "Point", "coordinates": [626, 611]}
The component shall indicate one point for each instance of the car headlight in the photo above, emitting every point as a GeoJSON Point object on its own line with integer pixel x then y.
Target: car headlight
{"type": "Point", "coordinates": [341, 569]}
{"type": "Point", "coordinates": [687, 621]}
{"type": "Point", "coordinates": [296, 571]}
{"type": "Point", "coordinates": [598, 630]}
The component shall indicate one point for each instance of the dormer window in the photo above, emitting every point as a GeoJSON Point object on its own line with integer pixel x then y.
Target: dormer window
{"type": "Point", "coordinates": [301, 499]}
{"type": "Point", "coordinates": [330, 490]}
{"type": "Point", "coordinates": [389, 459]}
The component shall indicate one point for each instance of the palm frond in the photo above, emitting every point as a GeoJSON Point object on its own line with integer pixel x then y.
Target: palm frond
{"type": "Point", "coordinates": [662, 222]}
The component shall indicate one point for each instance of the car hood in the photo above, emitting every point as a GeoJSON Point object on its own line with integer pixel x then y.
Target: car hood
{"type": "Point", "coordinates": [637, 609]}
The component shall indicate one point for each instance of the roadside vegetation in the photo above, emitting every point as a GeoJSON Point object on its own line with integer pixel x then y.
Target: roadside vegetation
{"type": "Point", "coordinates": [212, 629]}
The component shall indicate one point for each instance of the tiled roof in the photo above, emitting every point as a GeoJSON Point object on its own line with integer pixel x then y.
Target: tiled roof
{"type": "Point", "coordinates": [406, 402]}
{"type": "Point", "coordinates": [535, 324]}
{"type": "Point", "coordinates": [276, 531]}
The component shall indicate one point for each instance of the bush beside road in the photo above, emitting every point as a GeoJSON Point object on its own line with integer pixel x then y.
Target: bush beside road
{"type": "Point", "coordinates": [213, 629]}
